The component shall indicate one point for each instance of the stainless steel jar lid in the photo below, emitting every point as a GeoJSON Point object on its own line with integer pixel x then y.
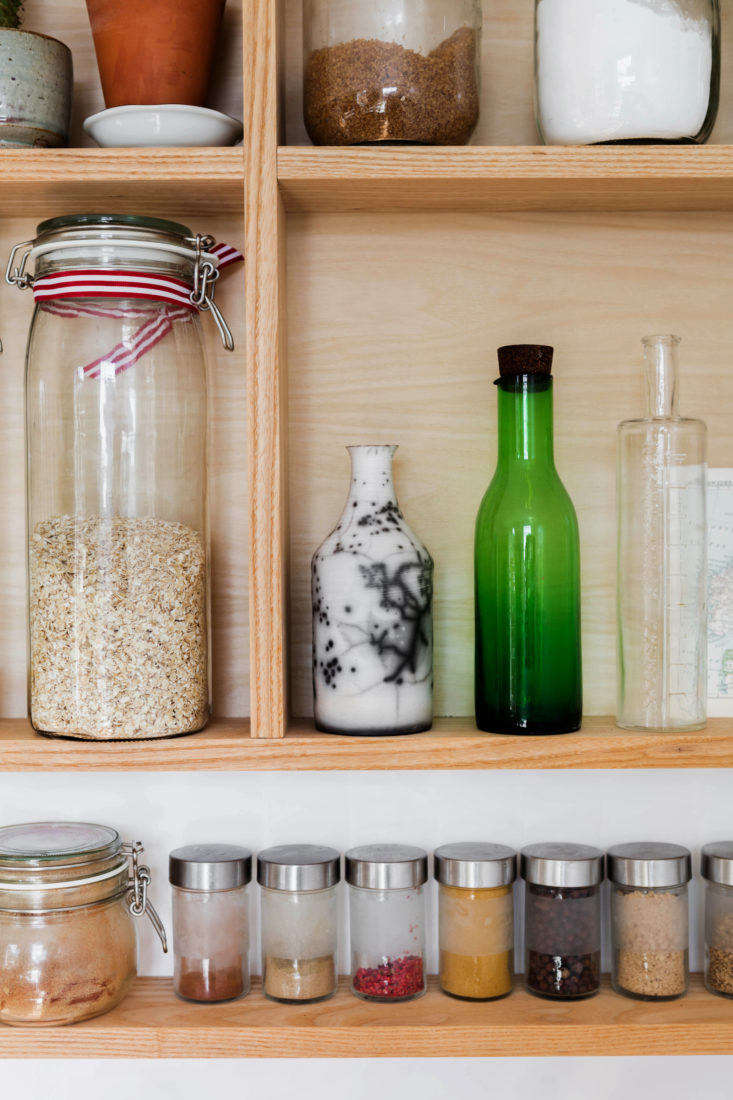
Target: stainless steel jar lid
{"type": "Point", "coordinates": [296, 867]}
{"type": "Point", "coordinates": [210, 867]}
{"type": "Point", "coordinates": [386, 867]}
{"type": "Point", "coordinates": [649, 865]}
{"type": "Point", "coordinates": [716, 864]}
{"type": "Point", "coordinates": [566, 865]}
{"type": "Point", "coordinates": [475, 866]}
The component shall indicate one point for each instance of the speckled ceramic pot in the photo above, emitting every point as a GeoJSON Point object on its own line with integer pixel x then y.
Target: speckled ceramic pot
{"type": "Point", "coordinates": [372, 585]}
{"type": "Point", "coordinates": [36, 84]}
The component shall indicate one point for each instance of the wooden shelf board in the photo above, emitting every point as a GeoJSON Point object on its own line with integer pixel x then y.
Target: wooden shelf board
{"type": "Point", "coordinates": [653, 177]}
{"type": "Point", "coordinates": [46, 182]}
{"type": "Point", "coordinates": [226, 745]}
{"type": "Point", "coordinates": [153, 1023]}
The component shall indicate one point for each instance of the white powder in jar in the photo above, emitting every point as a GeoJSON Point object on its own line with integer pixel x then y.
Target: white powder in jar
{"type": "Point", "coordinates": [615, 70]}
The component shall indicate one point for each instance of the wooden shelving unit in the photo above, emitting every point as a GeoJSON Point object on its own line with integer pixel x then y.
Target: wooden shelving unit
{"type": "Point", "coordinates": [454, 743]}
{"type": "Point", "coordinates": [505, 178]}
{"type": "Point", "coordinates": [153, 1023]}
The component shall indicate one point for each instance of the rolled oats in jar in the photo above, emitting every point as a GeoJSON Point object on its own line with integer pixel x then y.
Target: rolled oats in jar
{"type": "Point", "coordinates": [650, 919]}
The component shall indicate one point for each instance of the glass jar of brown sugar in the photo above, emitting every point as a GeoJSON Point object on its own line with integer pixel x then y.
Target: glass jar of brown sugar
{"type": "Point", "coordinates": [210, 921]}
{"type": "Point", "coordinates": [391, 71]}
{"type": "Point", "coordinates": [562, 958]}
{"type": "Point", "coordinates": [69, 893]}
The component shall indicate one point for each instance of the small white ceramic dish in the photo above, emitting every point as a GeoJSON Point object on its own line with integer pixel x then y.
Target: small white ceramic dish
{"type": "Point", "coordinates": [163, 124]}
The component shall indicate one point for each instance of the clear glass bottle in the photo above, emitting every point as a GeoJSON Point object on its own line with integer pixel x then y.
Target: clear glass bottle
{"type": "Point", "coordinates": [662, 557]}
{"type": "Point", "coordinates": [299, 911]}
{"type": "Point", "coordinates": [717, 870]}
{"type": "Point", "coordinates": [562, 920]}
{"type": "Point", "coordinates": [69, 895]}
{"type": "Point", "coordinates": [650, 920]}
{"type": "Point", "coordinates": [210, 921]}
{"type": "Point", "coordinates": [476, 919]}
{"type": "Point", "coordinates": [372, 599]}
{"type": "Point", "coordinates": [391, 71]}
{"type": "Point", "coordinates": [527, 566]}
{"type": "Point", "coordinates": [387, 921]}
{"type": "Point", "coordinates": [626, 71]}
{"type": "Point", "coordinates": [116, 419]}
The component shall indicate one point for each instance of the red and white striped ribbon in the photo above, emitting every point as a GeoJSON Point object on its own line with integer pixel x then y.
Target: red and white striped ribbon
{"type": "Point", "coordinates": [50, 291]}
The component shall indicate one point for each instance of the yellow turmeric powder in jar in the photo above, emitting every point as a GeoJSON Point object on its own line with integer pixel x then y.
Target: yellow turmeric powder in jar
{"type": "Point", "coordinates": [476, 926]}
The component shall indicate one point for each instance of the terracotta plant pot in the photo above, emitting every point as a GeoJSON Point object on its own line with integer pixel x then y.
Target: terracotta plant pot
{"type": "Point", "coordinates": [36, 84]}
{"type": "Point", "coordinates": [155, 51]}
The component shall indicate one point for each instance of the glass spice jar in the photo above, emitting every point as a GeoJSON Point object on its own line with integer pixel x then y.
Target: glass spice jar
{"type": "Point", "coordinates": [210, 921]}
{"type": "Point", "coordinates": [562, 918]}
{"type": "Point", "coordinates": [476, 919]}
{"type": "Point", "coordinates": [649, 920]}
{"type": "Point", "coordinates": [717, 870]}
{"type": "Point", "coordinates": [387, 921]}
{"type": "Point", "coordinates": [392, 71]}
{"type": "Point", "coordinates": [299, 914]}
{"type": "Point", "coordinates": [116, 422]}
{"type": "Point", "coordinates": [69, 893]}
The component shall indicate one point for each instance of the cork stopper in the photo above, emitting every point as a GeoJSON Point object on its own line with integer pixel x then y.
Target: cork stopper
{"type": "Point", "coordinates": [518, 359]}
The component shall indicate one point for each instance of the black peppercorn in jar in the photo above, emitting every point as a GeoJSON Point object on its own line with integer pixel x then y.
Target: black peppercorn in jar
{"type": "Point", "coordinates": [562, 957]}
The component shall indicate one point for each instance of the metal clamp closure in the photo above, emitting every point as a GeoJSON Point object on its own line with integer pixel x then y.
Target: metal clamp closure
{"type": "Point", "coordinates": [19, 276]}
{"type": "Point", "coordinates": [137, 898]}
{"type": "Point", "coordinates": [205, 275]}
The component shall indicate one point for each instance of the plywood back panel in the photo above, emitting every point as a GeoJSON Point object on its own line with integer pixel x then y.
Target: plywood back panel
{"type": "Point", "coordinates": [68, 21]}
{"type": "Point", "coordinates": [507, 112]}
{"type": "Point", "coordinates": [393, 322]}
{"type": "Point", "coordinates": [227, 482]}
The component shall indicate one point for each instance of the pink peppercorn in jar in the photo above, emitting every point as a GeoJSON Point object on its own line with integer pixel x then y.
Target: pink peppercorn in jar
{"type": "Point", "coordinates": [387, 921]}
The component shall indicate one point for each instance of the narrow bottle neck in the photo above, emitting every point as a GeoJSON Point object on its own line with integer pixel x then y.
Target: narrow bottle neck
{"type": "Point", "coordinates": [371, 474]}
{"type": "Point", "coordinates": [525, 421]}
{"type": "Point", "coordinates": [661, 374]}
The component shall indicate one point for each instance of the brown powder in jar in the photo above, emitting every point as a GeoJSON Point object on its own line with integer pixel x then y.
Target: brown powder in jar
{"type": "Point", "coordinates": [203, 980]}
{"type": "Point", "coordinates": [368, 91]}
{"type": "Point", "coordinates": [653, 974]}
{"type": "Point", "coordinates": [299, 979]}
{"type": "Point", "coordinates": [88, 964]}
{"type": "Point", "coordinates": [720, 956]}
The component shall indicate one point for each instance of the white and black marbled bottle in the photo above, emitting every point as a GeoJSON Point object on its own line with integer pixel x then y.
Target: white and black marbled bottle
{"type": "Point", "coordinates": [372, 585]}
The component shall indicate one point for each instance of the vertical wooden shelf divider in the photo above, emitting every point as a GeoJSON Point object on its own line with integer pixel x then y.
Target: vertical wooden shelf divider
{"type": "Point", "coordinates": [264, 217]}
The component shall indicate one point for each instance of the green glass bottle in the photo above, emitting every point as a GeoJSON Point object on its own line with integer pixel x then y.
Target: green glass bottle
{"type": "Point", "coordinates": [527, 566]}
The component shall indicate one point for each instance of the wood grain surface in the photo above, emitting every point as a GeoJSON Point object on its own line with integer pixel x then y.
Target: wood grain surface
{"type": "Point", "coordinates": [153, 1023]}
{"type": "Point", "coordinates": [653, 178]}
{"type": "Point", "coordinates": [454, 744]}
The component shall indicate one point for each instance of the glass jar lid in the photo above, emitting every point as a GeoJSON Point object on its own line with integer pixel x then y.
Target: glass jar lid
{"type": "Point", "coordinates": [56, 844]}
{"type": "Point", "coordinates": [210, 867]}
{"type": "Point", "coordinates": [717, 862]}
{"type": "Point", "coordinates": [566, 865]}
{"type": "Point", "coordinates": [649, 865]}
{"type": "Point", "coordinates": [386, 867]}
{"type": "Point", "coordinates": [130, 221]}
{"type": "Point", "coordinates": [296, 867]}
{"type": "Point", "coordinates": [475, 866]}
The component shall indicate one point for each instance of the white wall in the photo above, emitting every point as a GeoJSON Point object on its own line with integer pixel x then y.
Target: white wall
{"type": "Point", "coordinates": [343, 808]}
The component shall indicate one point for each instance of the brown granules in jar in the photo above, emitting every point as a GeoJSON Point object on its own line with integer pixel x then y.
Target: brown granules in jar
{"type": "Point", "coordinates": [203, 980]}
{"type": "Point", "coordinates": [299, 979]}
{"type": "Point", "coordinates": [86, 967]}
{"type": "Point", "coordinates": [650, 932]}
{"type": "Point", "coordinates": [720, 956]}
{"type": "Point", "coordinates": [476, 940]}
{"type": "Point", "coordinates": [367, 91]}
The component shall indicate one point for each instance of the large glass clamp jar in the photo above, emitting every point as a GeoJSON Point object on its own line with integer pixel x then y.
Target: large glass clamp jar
{"type": "Point", "coordinates": [69, 896]}
{"type": "Point", "coordinates": [116, 421]}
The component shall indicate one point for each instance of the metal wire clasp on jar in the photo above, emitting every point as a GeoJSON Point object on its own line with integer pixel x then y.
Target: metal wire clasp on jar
{"type": "Point", "coordinates": [69, 896]}
{"type": "Point", "coordinates": [116, 424]}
